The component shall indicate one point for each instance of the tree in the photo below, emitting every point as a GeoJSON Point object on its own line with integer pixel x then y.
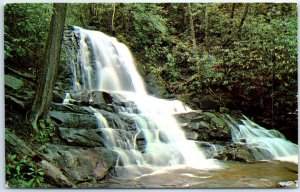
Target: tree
{"type": "Point", "coordinates": [206, 18]}
{"type": "Point", "coordinates": [113, 30]}
{"type": "Point", "coordinates": [244, 17]}
{"type": "Point", "coordinates": [25, 32]}
{"type": "Point", "coordinates": [192, 26]}
{"type": "Point", "coordinates": [47, 74]}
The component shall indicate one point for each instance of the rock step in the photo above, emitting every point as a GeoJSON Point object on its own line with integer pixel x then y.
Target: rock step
{"type": "Point", "coordinates": [82, 137]}
{"type": "Point", "coordinates": [68, 119]}
{"type": "Point", "coordinates": [87, 119]}
{"type": "Point", "coordinates": [205, 126]}
{"type": "Point", "coordinates": [81, 164]}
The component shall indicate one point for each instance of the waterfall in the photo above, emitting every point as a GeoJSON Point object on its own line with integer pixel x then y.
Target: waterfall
{"type": "Point", "coordinates": [104, 64]}
{"type": "Point", "coordinates": [264, 144]}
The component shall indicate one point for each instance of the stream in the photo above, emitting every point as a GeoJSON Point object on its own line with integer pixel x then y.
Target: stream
{"type": "Point", "coordinates": [265, 174]}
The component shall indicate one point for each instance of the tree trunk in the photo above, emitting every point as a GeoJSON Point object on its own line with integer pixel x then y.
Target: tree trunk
{"type": "Point", "coordinates": [112, 19]}
{"type": "Point", "coordinates": [192, 27]}
{"type": "Point", "coordinates": [229, 41]}
{"type": "Point", "coordinates": [232, 11]}
{"type": "Point", "coordinates": [206, 20]}
{"type": "Point", "coordinates": [243, 17]}
{"type": "Point", "coordinates": [47, 75]}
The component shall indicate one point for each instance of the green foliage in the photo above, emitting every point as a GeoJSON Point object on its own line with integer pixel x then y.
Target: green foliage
{"type": "Point", "coordinates": [46, 131]}
{"type": "Point", "coordinates": [261, 63]}
{"type": "Point", "coordinates": [25, 31]}
{"type": "Point", "coordinates": [148, 24]}
{"type": "Point", "coordinates": [23, 172]}
{"type": "Point", "coordinates": [170, 70]}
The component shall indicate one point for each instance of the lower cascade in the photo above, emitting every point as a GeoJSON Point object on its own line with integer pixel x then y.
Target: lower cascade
{"type": "Point", "coordinates": [264, 144]}
{"type": "Point", "coordinates": [105, 69]}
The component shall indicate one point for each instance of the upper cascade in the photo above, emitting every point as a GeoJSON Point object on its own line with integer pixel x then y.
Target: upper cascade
{"type": "Point", "coordinates": [104, 64]}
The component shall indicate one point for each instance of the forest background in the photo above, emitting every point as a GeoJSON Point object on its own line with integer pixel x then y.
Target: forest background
{"type": "Point", "coordinates": [244, 55]}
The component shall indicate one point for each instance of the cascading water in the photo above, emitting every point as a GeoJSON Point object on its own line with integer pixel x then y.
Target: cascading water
{"type": "Point", "coordinates": [264, 144]}
{"type": "Point", "coordinates": [104, 64]}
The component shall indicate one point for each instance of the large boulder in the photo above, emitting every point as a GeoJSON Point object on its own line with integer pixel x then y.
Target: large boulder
{"type": "Point", "coordinates": [18, 92]}
{"type": "Point", "coordinates": [13, 82]}
{"type": "Point", "coordinates": [205, 126]}
{"type": "Point", "coordinates": [84, 137]}
{"type": "Point", "coordinates": [82, 164]}
{"type": "Point", "coordinates": [235, 152]}
{"type": "Point", "coordinates": [75, 120]}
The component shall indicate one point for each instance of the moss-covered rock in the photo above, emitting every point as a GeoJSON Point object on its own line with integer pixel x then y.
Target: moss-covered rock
{"type": "Point", "coordinates": [235, 152]}
{"type": "Point", "coordinates": [13, 82]}
{"type": "Point", "coordinates": [82, 164]}
{"type": "Point", "coordinates": [205, 126]}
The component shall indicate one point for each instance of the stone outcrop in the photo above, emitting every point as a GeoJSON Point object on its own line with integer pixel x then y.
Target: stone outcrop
{"type": "Point", "coordinates": [81, 164]}
{"type": "Point", "coordinates": [205, 126]}
{"type": "Point", "coordinates": [18, 93]}
{"type": "Point", "coordinates": [235, 152]}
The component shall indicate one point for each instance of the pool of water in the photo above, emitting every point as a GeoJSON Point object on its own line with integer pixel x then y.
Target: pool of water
{"type": "Point", "coordinates": [264, 174]}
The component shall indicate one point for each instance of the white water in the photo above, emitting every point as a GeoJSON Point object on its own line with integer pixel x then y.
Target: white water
{"type": "Point", "coordinates": [265, 144]}
{"type": "Point", "coordinates": [107, 65]}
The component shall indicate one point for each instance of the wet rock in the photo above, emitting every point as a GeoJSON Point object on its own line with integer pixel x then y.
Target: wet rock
{"type": "Point", "coordinates": [18, 93]}
{"type": "Point", "coordinates": [219, 122]}
{"type": "Point", "coordinates": [215, 119]}
{"type": "Point", "coordinates": [98, 97]}
{"type": "Point", "coordinates": [205, 126]}
{"type": "Point", "coordinates": [291, 167]}
{"type": "Point", "coordinates": [18, 103]}
{"type": "Point", "coordinates": [112, 102]}
{"type": "Point", "coordinates": [17, 145]}
{"type": "Point", "coordinates": [13, 82]}
{"type": "Point", "coordinates": [53, 173]}
{"type": "Point", "coordinates": [235, 152]}
{"type": "Point", "coordinates": [88, 97]}
{"type": "Point", "coordinates": [140, 141]}
{"type": "Point", "coordinates": [189, 117]}
{"type": "Point", "coordinates": [163, 137]}
{"type": "Point", "coordinates": [82, 137]}
{"type": "Point", "coordinates": [57, 97]}
{"type": "Point", "coordinates": [208, 149]}
{"type": "Point", "coordinates": [75, 116]}
{"type": "Point", "coordinates": [192, 135]}
{"type": "Point", "coordinates": [80, 164]}
{"type": "Point", "coordinates": [75, 120]}
{"type": "Point", "coordinates": [68, 108]}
